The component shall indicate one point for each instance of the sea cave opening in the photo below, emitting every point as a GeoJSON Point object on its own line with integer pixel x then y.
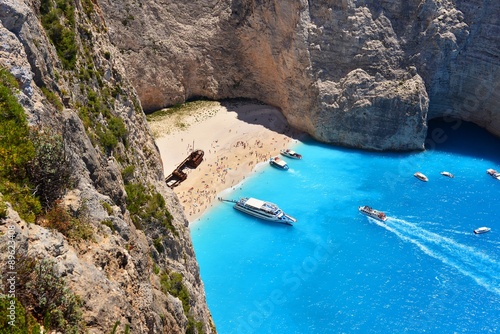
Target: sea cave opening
{"type": "Point", "coordinates": [458, 136]}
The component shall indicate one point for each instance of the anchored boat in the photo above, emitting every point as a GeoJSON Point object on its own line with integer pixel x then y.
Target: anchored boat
{"type": "Point", "coordinates": [262, 209]}
{"type": "Point", "coordinates": [482, 230]}
{"type": "Point", "coordinates": [448, 174]}
{"type": "Point", "coordinates": [421, 176]}
{"type": "Point", "coordinates": [493, 173]}
{"type": "Point", "coordinates": [291, 154]}
{"type": "Point", "coordinates": [278, 163]}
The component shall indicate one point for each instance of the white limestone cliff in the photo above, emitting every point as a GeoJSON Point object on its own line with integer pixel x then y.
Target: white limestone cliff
{"type": "Point", "coordinates": [297, 55]}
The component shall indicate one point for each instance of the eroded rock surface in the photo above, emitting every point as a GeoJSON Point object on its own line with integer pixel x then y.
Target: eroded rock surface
{"type": "Point", "coordinates": [117, 272]}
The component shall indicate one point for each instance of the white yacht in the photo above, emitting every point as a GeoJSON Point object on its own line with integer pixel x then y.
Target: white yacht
{"type": "Point", "coordinates": [493, 173]}
{"type": "Point", "coordinates": [421, 176]}
{"type": "Point", "coordinates": [264, 210]}
{"type": "Point", "coordinates": [482, 230]}
{"type": "Point", "coordinates": [278, 163]}
{"type": "Point", "coordinates": [372, 213]}
{"type": "Point", "coordinates": [291, 154]}
{"type": "Point", "coordinates": [448, 174]}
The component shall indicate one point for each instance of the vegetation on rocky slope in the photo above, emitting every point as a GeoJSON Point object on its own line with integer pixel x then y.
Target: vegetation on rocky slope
{"type": "Point", "coordinates": [35, 171]}
{"type": "Point", "coordinates": [25, 322]}
{"type": "Point", "coordinates": [33, 175]}
{"type": "Point", "coordinates": [172, 283]}
{"type": "Point", "coordinates": [59, 23]}
{"type": "Point", "coordinates": [146, 206]}
{"type": "Point", "coordinates": [41, 297]}
{"type": "Point", "coordinates": [16, 152]}
{"type": "Point", "coordinates": [84, 79]}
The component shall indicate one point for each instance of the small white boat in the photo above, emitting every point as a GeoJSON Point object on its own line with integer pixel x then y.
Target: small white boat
{"type": "Point", "coordinates": [278, 163]}
{"type": "Point", "coordinates": [448, 174]}
{"type": "Point", "coordinates": [291, 154]}
{"type": "Point", "coordinates": [372, 213]}
{"type": "Point", "coordinates": [421, 176]}
{"type": "Point", "coordinates": [263, 210]}
{"type": "Point", "coordinates": [482, 230]}
{"type": "Point", "coordinates": [493, 173]}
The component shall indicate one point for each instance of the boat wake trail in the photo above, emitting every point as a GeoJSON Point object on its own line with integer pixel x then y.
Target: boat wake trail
{"type": "Point", "coordinates": [482, 268]}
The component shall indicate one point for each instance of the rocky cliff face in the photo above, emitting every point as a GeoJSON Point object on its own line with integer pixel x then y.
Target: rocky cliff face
{"type": "Point", "coordinates": [360, 73]}
{"type": "Point", "coordinates": [137, 271]}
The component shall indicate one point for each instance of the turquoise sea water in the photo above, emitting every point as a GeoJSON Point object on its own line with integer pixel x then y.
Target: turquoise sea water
{"type": "Point", "coordinates": [337, 271]}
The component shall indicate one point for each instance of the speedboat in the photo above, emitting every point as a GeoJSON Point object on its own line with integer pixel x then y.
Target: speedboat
{"type": "Point", "coordinates": [421, 176]}
{"type": "Point", "coordinates": [278, 163]}
{"type": "Point", "coordinates": [448, 174]}
{"type": "Point", "coordinates": [482, 230]}
{"type": "Point", "coordinates": [263, 210]}
{"type": "Point", "coordinates": [372, 213]}
{"type": "Point", "coordinates": [494, 174]}
{"type": "Point", "coordinates": [291, 154]}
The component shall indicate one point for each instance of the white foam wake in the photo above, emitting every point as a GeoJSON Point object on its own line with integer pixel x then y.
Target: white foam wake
{"type": "Point", "coordinates": [481, 267]}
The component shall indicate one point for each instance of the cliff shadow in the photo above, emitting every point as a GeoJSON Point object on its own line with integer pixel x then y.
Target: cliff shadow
{"type": "Point", "coordinates": [256, 112]}
{"type": "Point", "coordinates": [460, 137]}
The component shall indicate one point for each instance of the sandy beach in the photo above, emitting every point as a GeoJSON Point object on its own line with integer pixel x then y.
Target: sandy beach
{"type": "Point", "coordinates": [236, 137]}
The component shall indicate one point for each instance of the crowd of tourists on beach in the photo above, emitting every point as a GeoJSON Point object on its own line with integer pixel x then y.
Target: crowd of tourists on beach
{"type": "Point", "coordinates": [216, 177]}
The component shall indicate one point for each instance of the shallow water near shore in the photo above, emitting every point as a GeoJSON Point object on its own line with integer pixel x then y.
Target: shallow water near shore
{"type": "Point", "coordinates": [335, 270]}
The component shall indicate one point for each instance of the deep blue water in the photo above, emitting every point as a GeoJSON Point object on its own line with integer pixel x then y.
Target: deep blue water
{"type": "Point", "coordinates": [337, 271]}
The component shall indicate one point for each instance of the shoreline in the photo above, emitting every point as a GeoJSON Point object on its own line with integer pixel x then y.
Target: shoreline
{"type": "Point", "coordinates": [236, 137]}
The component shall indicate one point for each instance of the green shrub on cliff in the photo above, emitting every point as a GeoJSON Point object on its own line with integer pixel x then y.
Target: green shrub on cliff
{"type": "Point", "coordinates": [49, 170]}
{"type": "Point", "coordinates": [104, 128]}
{"type": "Point", "coordinates": [117, 127]}
{"type": "Point", "coordinates": [88, 7]}
{"type": "Point", "coordinates": [23, 321]}
{"type": "Point", "coordinates": [114, 133]}
{"type": "Point", "coordinates": [52, 98]}
{"type": "Point", "coordinates": [3, 208]}
{"type": "Point", "coordinates": [75, 228]}
{"type": "Point", "coordinates": [46, 295]}
{"type": "Point", "coordinates": [171, 283]}
{"type": "Point", "coordinates": [128, 173]}
{"type": "Point", "coordinates": [147, 206]}
{"type": "Point", "coordinates": [58, 20]}
{"type": "Point", "coordinates": [34, 170]}
{"type": "Point", "coordinates": [16, 151]}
